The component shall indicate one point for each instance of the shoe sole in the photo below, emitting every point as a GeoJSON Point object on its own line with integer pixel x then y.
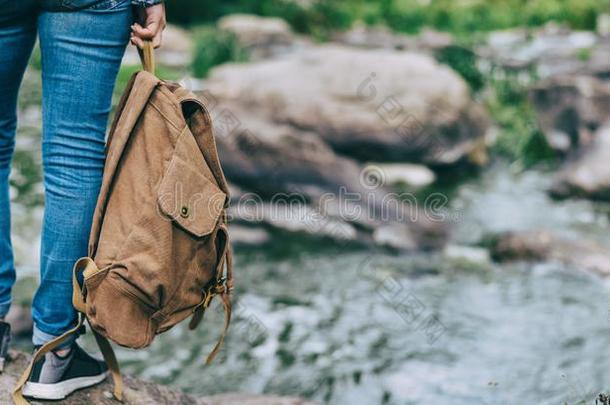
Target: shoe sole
{"type": "Point", "coordinates": [62, 389]}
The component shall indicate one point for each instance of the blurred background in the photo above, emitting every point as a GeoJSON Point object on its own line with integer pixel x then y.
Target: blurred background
{"type": "Point", "coordinates": [420, 198]}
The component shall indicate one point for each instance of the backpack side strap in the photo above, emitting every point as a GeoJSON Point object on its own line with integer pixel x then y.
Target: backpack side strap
{"type": "Point", "coordinates": [78, 300]}
{"type": "Point", "coordinates": [226, 302]}
{"type": "Point", "coordinates": [87, 265]}
{"type": "Point", "coordinates": [222, 287]}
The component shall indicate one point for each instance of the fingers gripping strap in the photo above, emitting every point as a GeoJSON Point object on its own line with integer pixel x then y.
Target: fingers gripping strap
{"type": "Point", "coordinates": [147, 56]}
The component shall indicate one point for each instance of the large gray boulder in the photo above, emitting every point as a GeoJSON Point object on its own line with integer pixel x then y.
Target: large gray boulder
{"type": "Point", "coordinates": [307, 124]}
{"type": "Point", "coordinates": [541, 245]}
{"type": "Point", "coordinates": [261, 36]}
{"type": "Point", "coordinates": [368, 104]}
{"type": "Point", "coordinates": [366, 36]}
{"type": "Point", "coordinates": [268, 158]}
{"type": "Point", "coordinates": [553, 50]}
{"type": "Point", "coordinates": [290, 179]}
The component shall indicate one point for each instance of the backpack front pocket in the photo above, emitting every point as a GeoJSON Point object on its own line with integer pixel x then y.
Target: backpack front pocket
{"type": "Point", "coordinates": [187, 194]}
{"type": "Point", "coordinates": [117, 310]}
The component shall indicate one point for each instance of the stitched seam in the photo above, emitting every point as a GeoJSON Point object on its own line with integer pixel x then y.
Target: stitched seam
{"type": "Point", "coordinates": [131, 294]}
{"type": "Point", "coordinates": [169, 120]}
{"type": "Point", "coordinates": [170, 97]}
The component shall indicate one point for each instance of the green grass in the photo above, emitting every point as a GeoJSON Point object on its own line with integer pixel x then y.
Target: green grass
{"type": "Point", "coordinates": [214, 47]}
{"type": "Point", "coordinates": [520, 138]}
{"type": "Point", "coordinates": [321, 17]}
{"type": "Point", "coordinates": [464, 61]}
{"type": "Point", "coordinates": [506, 98]}
{"type": "Point", "coordinates": [584, 54]}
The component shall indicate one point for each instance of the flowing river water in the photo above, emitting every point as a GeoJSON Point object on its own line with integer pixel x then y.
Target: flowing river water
{"type": "Point", "coordinates": [346, 326]}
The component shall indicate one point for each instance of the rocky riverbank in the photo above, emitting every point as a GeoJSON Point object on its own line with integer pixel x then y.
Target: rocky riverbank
{"type": "Point", "coordinates": [137, 392]}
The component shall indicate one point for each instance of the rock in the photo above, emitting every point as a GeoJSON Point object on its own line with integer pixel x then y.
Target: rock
{"type": "Point", "coordinates": [603, 25]}
{"type": "Point", "coordinates": [589, 175]}
{"type": "Point", "coordinates": [20, 318]}
{"type": "Point", "coordinates": [540, 245]}
{"type": "Point", "coordinates": [553, 50]}
{"type": "Point", "coordinates": [367, 104]}
{"type": "Point", "coordinates": [138, 392]}
{"type": "Point", "coordinates": [176, 39]}
{"type": "Point", "coordinates": [534, 245]}
{"type": "Point", "coordinates": [467, 256]}
{"type": "Point", "coordinates": [268, 158]}
{"type": "Point", "coordinates": [295, 217]}
{"type": "Point", "coordinates": [376, 37]}
{"type": "Point", "coordinates": [261, 36]}
{"type": "Point", "coordinates": [365, 36]}
{"type": "Point", "coordinates": [397, 237]}
{"type": "Point", "coordinates": [406, 174]}
{"type": "Point", "coordinates": [292, 180]}
{"type": "Point", "coordinates": [20, 314]}
{"type": "Point", "coordinates": [429, 39]}
{"type": "Point", "coordinates": [570, 108]}
{"type": "Point", "coordinates": [248, 236]}
{"type": "Point", "coordinates": [305, 219]}
{"type": "Point", "coordinates": [295, 148]}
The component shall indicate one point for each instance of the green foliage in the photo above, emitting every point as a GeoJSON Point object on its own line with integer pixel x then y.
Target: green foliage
{"type": "Point", "coordinates": [485, 15]}
{"type": "Point", "coordinates": [584, 54]}
{"type": "Point", "coordinates": [213, 47]}
{"type": "Point", "coordinates": [323, 17]}
{"type": "Point", "coordinates": [320, 17]}
{"type": "Point", "coordinates": [463, 61]}
{"type": "Point", "coordinates": [520, 138]}
{"type": "Point", "coordinates": [29, 176]}
{"type": "Point", "coordinates": [35, 59]}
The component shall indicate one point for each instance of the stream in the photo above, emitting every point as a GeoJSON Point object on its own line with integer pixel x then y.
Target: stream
{"type": "Point", "coordinates": [346, 326]}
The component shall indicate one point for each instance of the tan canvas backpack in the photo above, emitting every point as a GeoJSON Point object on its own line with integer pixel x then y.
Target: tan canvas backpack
{"type": "Point", "coordinates": [159, 247]}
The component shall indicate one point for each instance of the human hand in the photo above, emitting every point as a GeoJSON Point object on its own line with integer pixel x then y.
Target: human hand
{"type": "Point", "coordinates": [149, 25]}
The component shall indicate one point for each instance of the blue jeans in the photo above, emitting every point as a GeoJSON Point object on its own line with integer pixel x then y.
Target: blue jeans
{"type": "Point", "coordinates": [81, 52]}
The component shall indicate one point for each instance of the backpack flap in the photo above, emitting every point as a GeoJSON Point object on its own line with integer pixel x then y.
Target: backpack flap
{"type": "Point", "coordinates": [134, 100]}
{"type": "Point", "coordinates": [188, 193]}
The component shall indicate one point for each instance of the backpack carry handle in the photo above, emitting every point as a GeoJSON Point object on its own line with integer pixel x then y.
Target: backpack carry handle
{"type": "Point", "coordinates": [147, 56]}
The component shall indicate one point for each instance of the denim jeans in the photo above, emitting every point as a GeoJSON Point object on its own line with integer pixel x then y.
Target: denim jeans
{"type": "Point", "coordinates": [81, 52]}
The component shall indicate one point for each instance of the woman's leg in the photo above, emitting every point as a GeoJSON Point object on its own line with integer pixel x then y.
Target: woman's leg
{"type": "Point", "coordinates": [17, 36]}
{"type": "Point", "coordinates": [81, 54]}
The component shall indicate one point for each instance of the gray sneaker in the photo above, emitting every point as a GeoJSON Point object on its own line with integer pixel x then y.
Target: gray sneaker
{"type": "Point", "coordinates": [55, 377]}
